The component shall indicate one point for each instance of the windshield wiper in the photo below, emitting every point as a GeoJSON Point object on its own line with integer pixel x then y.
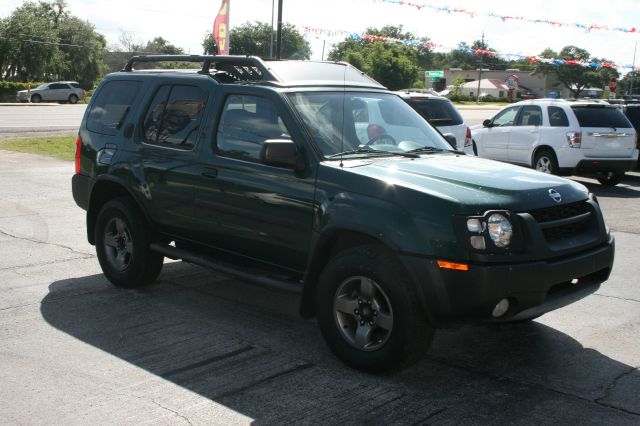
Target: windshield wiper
{"type": "Point", "coordinates": [372, 151]}
{"type": "Point", "coordinates": [426, 149]}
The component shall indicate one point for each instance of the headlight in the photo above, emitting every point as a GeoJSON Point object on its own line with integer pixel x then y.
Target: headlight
{"type": "Point", "coordinates": [500, 230]}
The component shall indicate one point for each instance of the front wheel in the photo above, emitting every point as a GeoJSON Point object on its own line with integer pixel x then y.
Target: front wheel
{"type": "Point", "coordinates": [122, 245]}
{"type": "Point", "coordinates": [368, 313]}
{"type": "Point", "coordinates": [36, 99]}
{"type": "Point", "coordinates": [545, 162]}
{"type": "Point", "coordinates": [611, 178]}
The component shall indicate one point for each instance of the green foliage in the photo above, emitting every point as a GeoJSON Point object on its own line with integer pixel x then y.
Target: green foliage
{"type": "Point", "coordinates": [61, 147]}
{"type": "Point", "coordinates": [42, 41]}
{"type": "Point", "coordinates": [392, 64]}
{"type": "Point", "coordinates": [575, 77]}
{"type": "Point", "coordinates": [255, 39]}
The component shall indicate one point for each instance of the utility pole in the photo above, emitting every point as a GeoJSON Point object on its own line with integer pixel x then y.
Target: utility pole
{"type": "Point", "coordinates": [273, 9]}
{"type": "Point", "coordinates": [633, 69]}
{"type": "Point", "coordinates": [279, 33]}
{"type": "Point", "coordinates": [480, 70]}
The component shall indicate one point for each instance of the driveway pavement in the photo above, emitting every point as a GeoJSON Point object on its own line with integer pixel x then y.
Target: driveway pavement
{"type": "Point", "coordinates": [202, 348]}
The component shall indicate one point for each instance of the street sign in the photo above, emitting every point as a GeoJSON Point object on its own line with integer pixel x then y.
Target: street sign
{"type": "Point", "coordinates": [434, 74]}
{"type": "Point", "coordinates": [613, 84]}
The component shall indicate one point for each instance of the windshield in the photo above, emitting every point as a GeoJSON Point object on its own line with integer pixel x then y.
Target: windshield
{"type": "Point", "coordinates": [365, 124]}
{"type": "Point", "coordinates": [42, 86]}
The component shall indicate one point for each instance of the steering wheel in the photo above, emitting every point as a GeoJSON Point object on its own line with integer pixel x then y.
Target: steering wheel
{"type": "Point", "coordinates": [382, 137]}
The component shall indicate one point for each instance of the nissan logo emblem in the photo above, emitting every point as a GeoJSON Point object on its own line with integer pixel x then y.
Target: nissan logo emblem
{"type": "Point", "coordinates": [555, 195]}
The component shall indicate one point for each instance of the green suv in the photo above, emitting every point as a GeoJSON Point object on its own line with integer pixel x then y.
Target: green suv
{"type": "Point", "coordinates": [311, 177]}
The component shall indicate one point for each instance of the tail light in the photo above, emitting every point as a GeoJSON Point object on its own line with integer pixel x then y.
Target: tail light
{"type": "Point", "coordinates": [574, 139]}
{"type": "Point", "coordinates": [78, 153]}
{"type": "Point", "coordinates": [467, 139]}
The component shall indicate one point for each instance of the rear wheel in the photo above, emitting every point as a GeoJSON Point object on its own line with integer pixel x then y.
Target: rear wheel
{"type": "Point", "coordinates": [368, 313]}
{"type": "Point", "coordinates": [611, 178]}
{"type": "Point", "coordinates": [36, 99]}
{"type": "Point", "coordinates": [545, 161]}
{"type": "Point", "coordinates": [122, 245]}
{"type": "Point", "coordinates": [73, 99]}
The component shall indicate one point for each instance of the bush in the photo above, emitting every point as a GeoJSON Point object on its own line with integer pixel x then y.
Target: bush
{"type": "Point", "coordinates": [8, 89]}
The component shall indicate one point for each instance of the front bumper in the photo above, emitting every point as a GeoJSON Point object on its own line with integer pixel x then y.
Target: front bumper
{"type": "Point", "coordinates": [533, 288]}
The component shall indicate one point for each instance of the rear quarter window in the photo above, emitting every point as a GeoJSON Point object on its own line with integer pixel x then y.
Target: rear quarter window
{"type": "Point", "coordinates": [557, 117]}
{"type": "Point", "coordinates": [438, 112]}
{"type": "Point", "coordinates": [111, 106]}
{"type": "Point", "coordinates": [597, 116]}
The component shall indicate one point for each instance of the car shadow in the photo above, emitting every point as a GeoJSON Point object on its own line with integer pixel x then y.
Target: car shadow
{"type": "Point", "coordinates": [245, 347]}
{"type": "Point", "coordinates": [628, 188]}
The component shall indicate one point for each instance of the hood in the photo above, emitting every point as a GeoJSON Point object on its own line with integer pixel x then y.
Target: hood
{"type": "Point", "coordinates": [472, 183]}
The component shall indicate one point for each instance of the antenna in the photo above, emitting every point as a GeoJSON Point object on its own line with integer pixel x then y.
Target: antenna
{"type": "Point", "coordinates": [344, 113]}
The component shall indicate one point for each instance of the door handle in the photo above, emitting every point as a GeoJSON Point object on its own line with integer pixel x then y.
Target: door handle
{"type": "Point", "coordinates": [210, 172]}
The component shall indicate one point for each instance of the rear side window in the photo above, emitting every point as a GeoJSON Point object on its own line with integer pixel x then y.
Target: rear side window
{"type": "Point", "coordinates": [437, 111]}
{"type": "Point", "coordinates": [174, 116]}
{"type": "Point", "coordinates": [111, 106]}
{"type": "Point", "coordinates": [76, 85]}
{"type": "Point", "coordinates": [601, 117]}
{"type": "Point", "coordinates": [633, 114]}
{"type": "Point", "coordinates": [557, 117]}
{"type": "Point", "coordinates": [530, 115]}
{"type": "Point", "coordinates": [57, 86]}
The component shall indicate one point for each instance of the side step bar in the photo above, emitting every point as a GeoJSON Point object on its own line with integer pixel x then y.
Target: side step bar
{"type": "Point", "coordinates": [220, 266]}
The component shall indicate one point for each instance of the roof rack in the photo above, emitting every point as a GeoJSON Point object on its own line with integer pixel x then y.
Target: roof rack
{"type": "Point", "coordinates": [224, 68]}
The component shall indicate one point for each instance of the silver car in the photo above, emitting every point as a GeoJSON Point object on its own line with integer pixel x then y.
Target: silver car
{"type": "Point", "coordinates": [57, 91]}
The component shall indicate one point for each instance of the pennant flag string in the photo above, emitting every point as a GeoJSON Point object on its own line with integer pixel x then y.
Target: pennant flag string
{"type": "Point", "coordinates": [505, 18]}
{"type": "Point", "coordinates": [532, 59]}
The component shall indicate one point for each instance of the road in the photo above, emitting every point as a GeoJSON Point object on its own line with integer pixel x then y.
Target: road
{"type": "Point", "coordinates": [202, 348]}
{"type": "Point", "coordinates": [33, 119]}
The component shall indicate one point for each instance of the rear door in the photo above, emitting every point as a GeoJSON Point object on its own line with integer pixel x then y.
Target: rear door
{"type": "Point", "coordinates": [57, 92]}
{"type": "Point", "coordinates": [606, 132]}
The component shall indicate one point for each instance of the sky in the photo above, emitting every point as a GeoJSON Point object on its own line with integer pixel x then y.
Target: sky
{"type": "Point", "coordinates": [185, 22]}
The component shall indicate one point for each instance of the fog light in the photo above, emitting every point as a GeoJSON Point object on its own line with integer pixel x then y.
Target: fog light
{"type": "Point", "coordinates": [501, 308]}
{"type": "Point", "coordinates": [477, 242]}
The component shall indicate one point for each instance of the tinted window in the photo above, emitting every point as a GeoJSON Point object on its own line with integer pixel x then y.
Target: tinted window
{"type": "Point", "coordinates": [76, 85]}
{"type": "Point", "coordinates": [557, 117]}
{"type": "Point", "coordinates": [530, 115]}
{"type": "Point", "coordinates": [56, 86]}
{"type": "Point", "coordinates": [633, 114]}
{"type": "Point", "coordinates": [248, 121]}
{"type": "Point", "coordinates": [505, 117]}
{"type": "Point", "coordinates": [437, 111]}
{"type": "Point", "coordinates": [600, 116]}
{"type": "Point", "coordinates": [111, 106]}
{"type": "Point", "coordinates": [174, 116]}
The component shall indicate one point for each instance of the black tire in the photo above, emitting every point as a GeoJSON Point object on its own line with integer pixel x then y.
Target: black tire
{"type": "Point", "coordinates": [122, 244]}
{"type": "Point", "coordinates": [475, 148]}
{"type": "Point", "coordinates": [611, 179]}
{"type": "Point", "coordinates": [73, 99]}
{"type": "Point", "coordinates": [545, 161]}
{"type": "Point", "coordinates": [406, 334]}
{"type": "Point", "coordinates": [36, 99]}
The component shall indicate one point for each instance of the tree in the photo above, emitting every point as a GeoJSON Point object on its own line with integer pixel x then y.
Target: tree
{"type": "Point", "coordinates": [255, 39]}
{"type": "Point", "coordinates": [385, 56]}
{"type": "Point", "coordinates": [575, 77]}
{"type": "Point", "coordinates": [42, 41]}
{"type": "Point", "coordinates": [161, 46]}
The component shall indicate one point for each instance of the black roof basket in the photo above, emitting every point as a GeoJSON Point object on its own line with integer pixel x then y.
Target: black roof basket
{"type": "Point", "coordinates": [225, 69]}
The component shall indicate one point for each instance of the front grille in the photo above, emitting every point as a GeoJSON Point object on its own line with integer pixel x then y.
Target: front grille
{"type": "Point", "coordinates": [568, 228]}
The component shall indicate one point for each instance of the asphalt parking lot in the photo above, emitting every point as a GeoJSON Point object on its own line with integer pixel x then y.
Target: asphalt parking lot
{"type": "Point", "coordinates": [201, 348]}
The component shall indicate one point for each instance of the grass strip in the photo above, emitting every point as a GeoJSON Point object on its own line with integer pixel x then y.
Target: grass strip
{"type": "Point", "coordinates": [61, 147]}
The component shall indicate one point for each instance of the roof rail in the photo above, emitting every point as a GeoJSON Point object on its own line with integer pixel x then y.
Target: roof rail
{"type": "Point", "coordinates": [234, 68]}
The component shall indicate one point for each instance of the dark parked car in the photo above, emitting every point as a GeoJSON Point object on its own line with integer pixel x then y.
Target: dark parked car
{"type": "Point", "coordinates": [311, 177]}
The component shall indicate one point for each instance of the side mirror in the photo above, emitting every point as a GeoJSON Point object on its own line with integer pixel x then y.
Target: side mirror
{"type": "Point", "coordinates": [487, 123]}
{"type": "Point", "coordinates": [451, 139]}
{"type": "Point", "coordinates": [281, 153]}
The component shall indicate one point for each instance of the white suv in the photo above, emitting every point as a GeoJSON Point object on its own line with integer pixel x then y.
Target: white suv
{"type": "Point", "coordinates": [561, 137]}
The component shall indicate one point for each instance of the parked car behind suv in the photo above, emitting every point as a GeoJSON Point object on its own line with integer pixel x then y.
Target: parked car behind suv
{"type": "Point", "coordinates": [560, 137]}
{"type": "Point", "coordinates": [58, 91]}
{"type": "Point", "coordinates": [275, 172]}
{"type": "Point", "coordinates": [441, 113]}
